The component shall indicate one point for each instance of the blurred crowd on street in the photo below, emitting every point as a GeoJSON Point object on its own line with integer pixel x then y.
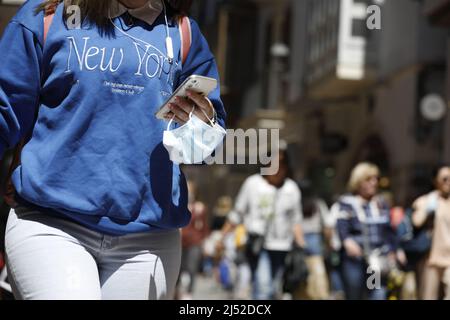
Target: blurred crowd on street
{"type": "Point", "coordinates": [278, 240]}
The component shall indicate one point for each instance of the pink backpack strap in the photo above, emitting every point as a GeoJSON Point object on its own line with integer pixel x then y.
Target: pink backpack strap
{"type": "Point", "coordinates": [47, 23]}
{"type": "Point", "coordinates": [185, 36]}
{"type": "Point", "coordinates": [49, 14]}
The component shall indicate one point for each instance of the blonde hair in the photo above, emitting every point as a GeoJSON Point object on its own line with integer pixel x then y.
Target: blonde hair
{"type": "Point", "coordinates": [360, 173]}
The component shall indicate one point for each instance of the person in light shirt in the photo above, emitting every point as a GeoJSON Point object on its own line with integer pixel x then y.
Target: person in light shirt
{"type": "Point", "coordinates": [270, 209]}
{"type": "Point", "coordinates": [434, 208]}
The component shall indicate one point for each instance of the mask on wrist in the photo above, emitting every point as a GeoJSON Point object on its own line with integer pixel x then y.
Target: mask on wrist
{"type": "Point", "coordinates": [194, 141]}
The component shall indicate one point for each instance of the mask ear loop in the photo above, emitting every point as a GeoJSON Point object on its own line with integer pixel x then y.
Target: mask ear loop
{"type": "Point", "coordinates": [192, 112]}
{"type": "Point", "coordinates": [210, 121]}
{"type": "Point", "coordinates": [170, 122]}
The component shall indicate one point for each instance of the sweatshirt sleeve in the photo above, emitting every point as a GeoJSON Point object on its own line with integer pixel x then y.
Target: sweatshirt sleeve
{"type": "Point", "coordinates": [200, 61]}
{"type": "Point", "coordinates": [20, 56]}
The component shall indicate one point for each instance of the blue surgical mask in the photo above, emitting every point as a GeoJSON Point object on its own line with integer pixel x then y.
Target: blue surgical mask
{"type": "Point", "coordinates": [194, 141]}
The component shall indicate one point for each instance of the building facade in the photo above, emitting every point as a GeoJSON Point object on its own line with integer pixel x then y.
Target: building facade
{"type": "Point", "coordinates": [364, 93]}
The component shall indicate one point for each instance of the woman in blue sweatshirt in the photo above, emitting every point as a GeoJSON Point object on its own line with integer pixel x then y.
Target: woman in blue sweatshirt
{"type": "Point", "coordinates": [100, 203]}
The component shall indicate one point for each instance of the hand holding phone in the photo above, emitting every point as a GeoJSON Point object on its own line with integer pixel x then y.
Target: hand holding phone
{"type": "Point", "coordinates": [199, 84]}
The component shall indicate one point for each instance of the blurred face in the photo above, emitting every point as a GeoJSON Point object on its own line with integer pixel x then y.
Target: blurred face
{"type": "Point", "coordinates": [443, 181]}
{"type": "Point", "coordinates": [369, 187]}
{"type": "Point", "coordinates": [278, 178]}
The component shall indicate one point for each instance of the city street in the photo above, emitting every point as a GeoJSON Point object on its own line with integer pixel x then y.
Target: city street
{"type": "Point", "coordinates": [208, 289]}
{"type": "Point", "coordinates": [225, 150]}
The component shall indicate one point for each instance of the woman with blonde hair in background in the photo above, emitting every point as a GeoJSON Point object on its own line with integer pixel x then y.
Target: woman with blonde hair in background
{"type": "Point", "coordinates": [368, 241]}
{"type": "Point", "coordinates": [317, 227]}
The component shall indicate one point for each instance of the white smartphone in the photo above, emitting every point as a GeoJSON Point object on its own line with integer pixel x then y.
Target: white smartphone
{"type": "Point", "coordinates": [199, 84]}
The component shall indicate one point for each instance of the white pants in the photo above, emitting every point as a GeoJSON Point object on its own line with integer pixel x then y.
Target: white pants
{"type": "Point", "coordinates": [53, 258]}
{"type": "Point", "coordinates": [432, 279]}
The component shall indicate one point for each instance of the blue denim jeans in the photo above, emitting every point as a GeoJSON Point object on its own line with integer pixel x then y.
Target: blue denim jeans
{"type": "Point", "coordinates": [268, 275]}
{"type": "Point", "coordinates": [314, 245]}
{"type": "Point", "coordinates": [355, 276]}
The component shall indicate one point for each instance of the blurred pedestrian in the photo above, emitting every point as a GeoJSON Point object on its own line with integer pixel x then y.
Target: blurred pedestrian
{"type": "Point", "coordinates": [269, 206]}
{"type": "Point", "coordinates": [334, 257]}
{"type": "Point", "coordinates": [317, 227]}
{"type": "Point", "coordinates": [221, 210]}
{"type": "Point", "coordinates": [233, 253]}
{"type": "Point", "coordinates": [368, 242]}
{"type": "Point", "coordinates": [432, 211]}
{"type": "Point", "coordinates": [212, 257]}
{"type": "Point", "coordinates": [192, 238]}
{"type": "Point", "coordinates": [100, 203]}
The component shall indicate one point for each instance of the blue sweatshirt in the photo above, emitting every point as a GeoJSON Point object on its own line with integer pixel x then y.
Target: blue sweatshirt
{"type": "Point", "coordinates": [96, 154]}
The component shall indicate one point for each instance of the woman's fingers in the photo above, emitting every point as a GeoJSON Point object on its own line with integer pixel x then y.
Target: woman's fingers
{"type": "Point", "coordinates": [171, 115]}
{"type": "Point", "coordinates": [184, 104]}
{"type": "Point", "coordinates": [202, 102]}
{"type": "Point", "coordinates": [179, 112]}
{"type": "Point", "coordinates": [198, 104]}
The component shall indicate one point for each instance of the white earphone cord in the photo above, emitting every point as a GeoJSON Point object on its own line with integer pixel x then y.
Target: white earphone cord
{"type": "Point", "coordinates": [169, 43]}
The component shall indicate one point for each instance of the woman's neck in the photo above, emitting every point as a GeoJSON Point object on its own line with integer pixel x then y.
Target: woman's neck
{"type": "Point", "coordinates": [365, 198]}
{"type": "Point", "coordinates": [444, 195]}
